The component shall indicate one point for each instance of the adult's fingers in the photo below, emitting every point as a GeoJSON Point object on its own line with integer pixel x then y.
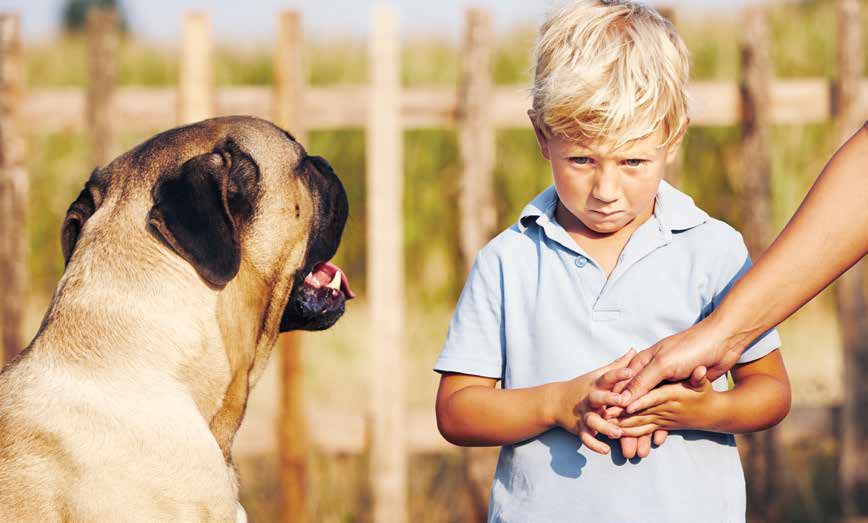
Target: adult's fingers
{"type": "Point", "coordinates": [644, 446]}
{"type": "Point", "coordinates": [655, 397]}
{"type": "Point", "coordinates": [635, 432]}
{"type": "Point", "coordinates": [613, 412]}
{"type": "Point", "coordinates": [635, 421]}
{"type": "Point", "coordinates": [660, 436]}
{"type": "Point", "coordinates": [593, 443]}
{"type": "Point", "coordinates": [637, 366]}
{"type": "Point", "coordinates": [595, 422]}
{"type": "Point", "coordinates": [628, 446]}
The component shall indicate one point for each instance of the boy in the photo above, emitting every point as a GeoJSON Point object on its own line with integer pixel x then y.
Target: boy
{"type": "Point", "coordinates": [609, 257]}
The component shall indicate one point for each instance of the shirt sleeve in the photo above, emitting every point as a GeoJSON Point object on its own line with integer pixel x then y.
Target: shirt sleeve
{"type": "Point", "coordinates": [475, 341]}
{"type": "Point", "coordinates": [733, 264]}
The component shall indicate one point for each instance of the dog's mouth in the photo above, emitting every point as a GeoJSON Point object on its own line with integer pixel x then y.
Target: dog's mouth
{"type": "Point", "coordinates": [328, 281]}
{"type": "Point", "coordinates": [318, 300]}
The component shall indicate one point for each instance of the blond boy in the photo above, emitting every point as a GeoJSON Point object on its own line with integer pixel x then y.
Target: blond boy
{"type": "Point", "coordinates": [610, 257]}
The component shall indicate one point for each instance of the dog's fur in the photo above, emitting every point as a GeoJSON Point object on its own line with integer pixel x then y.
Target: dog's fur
{"type": "Point", "coordinates": [185, 258]}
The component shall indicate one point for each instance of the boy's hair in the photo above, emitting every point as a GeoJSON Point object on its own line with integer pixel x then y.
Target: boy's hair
{"type": "Point", "coordinates": [610, 70]}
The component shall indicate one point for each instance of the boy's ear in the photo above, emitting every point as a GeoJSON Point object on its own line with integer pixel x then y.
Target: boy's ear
{"type": "Point", "coordinates": [540, 135]}
{"type": "Point", "coordinates": [675, 146]}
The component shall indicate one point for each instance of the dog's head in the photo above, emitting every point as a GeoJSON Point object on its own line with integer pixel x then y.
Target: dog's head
{"type": "Point", "coordinates": [236, 198]}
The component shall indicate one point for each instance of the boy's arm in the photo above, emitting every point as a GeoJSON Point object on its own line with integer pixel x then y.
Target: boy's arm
{"type": "Point", "coordinates": [472, 412]}
{"type": "Point", "coordinates": [759, 400]}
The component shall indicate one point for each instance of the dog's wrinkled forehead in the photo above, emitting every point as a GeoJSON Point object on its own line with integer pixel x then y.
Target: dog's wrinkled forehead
{"type": "Point", "coordinates": [274, 150]}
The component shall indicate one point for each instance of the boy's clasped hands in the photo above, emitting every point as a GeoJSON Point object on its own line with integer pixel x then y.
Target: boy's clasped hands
{"type": "Point", "coordinates": [594, 403]}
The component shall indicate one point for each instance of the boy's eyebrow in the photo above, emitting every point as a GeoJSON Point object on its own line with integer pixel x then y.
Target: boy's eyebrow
{"type": "Point", "coordinates": [639, 152]}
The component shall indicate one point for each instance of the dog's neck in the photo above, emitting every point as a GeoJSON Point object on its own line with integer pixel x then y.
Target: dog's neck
{"type": "Point", "coordinates": [128, 326]}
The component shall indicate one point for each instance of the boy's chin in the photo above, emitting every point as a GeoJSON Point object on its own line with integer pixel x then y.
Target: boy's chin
{"type": "Point", "coordinates": [608, 228]}
{"type": "Point", "coordinates": [605, 227]}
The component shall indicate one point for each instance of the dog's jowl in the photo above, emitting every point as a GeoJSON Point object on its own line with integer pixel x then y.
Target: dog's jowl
{"type": "Point", "coordinates": [186, 257]}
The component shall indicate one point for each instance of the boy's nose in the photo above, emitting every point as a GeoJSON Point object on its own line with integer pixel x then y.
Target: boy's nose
{"type": "Point", "coordinates": [606, 187]}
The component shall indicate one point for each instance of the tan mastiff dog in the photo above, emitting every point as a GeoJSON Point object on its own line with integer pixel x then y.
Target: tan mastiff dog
{"type": "Point", "coordinates": [186, 257]}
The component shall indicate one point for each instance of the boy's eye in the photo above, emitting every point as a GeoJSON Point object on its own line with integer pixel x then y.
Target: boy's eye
{"type": "Point", "coordinates": [581, 160]}
{"type": "Point", "coordinates": [634, 162]}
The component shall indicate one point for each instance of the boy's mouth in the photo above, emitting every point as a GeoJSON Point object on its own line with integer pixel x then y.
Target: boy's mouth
{"type": "Point", "coordinates": [607, 214]}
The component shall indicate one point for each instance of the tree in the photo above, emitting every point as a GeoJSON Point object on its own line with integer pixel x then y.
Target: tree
{"type": "Point", "coordinates": [75, 13]}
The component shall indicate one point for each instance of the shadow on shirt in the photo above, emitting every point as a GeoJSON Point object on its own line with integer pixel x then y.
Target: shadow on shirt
{"type": "Point", "coordinates": [567, 461]}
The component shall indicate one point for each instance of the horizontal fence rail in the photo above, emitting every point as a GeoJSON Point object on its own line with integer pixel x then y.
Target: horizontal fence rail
{"type": "Point", "coordinates": [800, 101]}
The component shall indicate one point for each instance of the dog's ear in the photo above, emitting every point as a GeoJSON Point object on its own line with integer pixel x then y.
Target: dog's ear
{"type": "Point", "coordinates": [81, 209]}
{"type": "Point", "coordinates": [199, 209]}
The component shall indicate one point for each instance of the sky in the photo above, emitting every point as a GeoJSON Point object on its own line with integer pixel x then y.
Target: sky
{"type": "Point", "coordinates": [254, 20]}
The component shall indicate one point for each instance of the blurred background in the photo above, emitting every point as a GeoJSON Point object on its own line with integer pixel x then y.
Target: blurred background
{"type": "Point", "coordinates": [768, 115]}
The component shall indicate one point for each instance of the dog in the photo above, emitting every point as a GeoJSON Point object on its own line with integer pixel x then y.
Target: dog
{"type": "Point", "coordinates": [185, 257]}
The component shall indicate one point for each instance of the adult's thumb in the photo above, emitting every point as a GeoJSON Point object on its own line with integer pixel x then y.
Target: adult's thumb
{"type": "Point", "coordinates": [698, 376]}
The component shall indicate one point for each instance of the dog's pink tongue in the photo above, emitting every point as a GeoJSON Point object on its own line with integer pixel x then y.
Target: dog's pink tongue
{"type": "Point", "coordinates": [324, 273]}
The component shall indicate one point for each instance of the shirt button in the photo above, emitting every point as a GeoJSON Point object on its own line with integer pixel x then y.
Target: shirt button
{"type": "Point", "coordinates": [581, 261]}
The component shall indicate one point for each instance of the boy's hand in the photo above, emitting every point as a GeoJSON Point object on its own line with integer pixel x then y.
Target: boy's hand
{"type": "Point", "coordinates": [682, 405]}
{"type": "Point", "coordinates": [581, 402]}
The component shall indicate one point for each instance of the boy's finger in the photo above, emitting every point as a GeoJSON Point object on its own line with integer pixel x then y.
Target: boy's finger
{"type": "Point", "coordinates": [644, 446]}
{"type": "Point", "coordinates": [593, 443]}
{"type": "Point", "coordinates": [601, 398]}
{"type": "Point", "coordinates": [655, 397]}
{"type": "Point", "coordinates": [595, 422]}
{"type": "Point", "coordinates": [628, 446]}
{"type": "Point", "coordinates": [626, 357]}
{"type": "Point", "coordinates": [660, 437]}
{"type": "Point", "coordinates": [622, 361]}
{"type": "Point", "coordinates": [610, 378]}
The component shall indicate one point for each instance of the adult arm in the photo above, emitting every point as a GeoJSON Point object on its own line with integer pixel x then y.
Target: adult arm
{"type": "Point", "coordinates": [827, 235]}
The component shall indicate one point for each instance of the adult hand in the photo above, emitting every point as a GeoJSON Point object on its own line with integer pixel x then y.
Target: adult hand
{"type": "Point", "coordinates": [690, 354]}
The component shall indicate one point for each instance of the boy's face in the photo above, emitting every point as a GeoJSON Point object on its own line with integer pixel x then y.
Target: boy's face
{"type": "Point", "coordinates": [607, 189]}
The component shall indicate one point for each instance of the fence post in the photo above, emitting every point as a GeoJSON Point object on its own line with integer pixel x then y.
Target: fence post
{"type": "Point", "coordinates": [385, 256]}
{"type": "Point", "coordinates": [102, 41]}
{"type": "Point", "coordinates": [476, 137]}
{"type": "Point", "coordinates": [13, 191]}
{"type": "Point", "coordinates": [478, 212]}
{"type": "Point", "coordinates": [293, 439]}
{"type": "Point", "coordinates": [755, 90]}
{"type": "Point", "coordinates": [853, 451]}
{"type": "Point", "coordinates": [195, 78]}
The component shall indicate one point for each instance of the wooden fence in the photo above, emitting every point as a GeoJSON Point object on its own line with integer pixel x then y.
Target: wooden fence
{"type": "Point", "coordinates": [476, 108]}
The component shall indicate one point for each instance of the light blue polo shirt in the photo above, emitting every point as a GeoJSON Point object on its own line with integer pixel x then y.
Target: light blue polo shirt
{"type": "Point", "coordinates": [537, 309]}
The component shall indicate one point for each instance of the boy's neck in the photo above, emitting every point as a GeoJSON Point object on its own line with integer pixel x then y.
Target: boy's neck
{"type": "Point", "coordinates": [604, 248]}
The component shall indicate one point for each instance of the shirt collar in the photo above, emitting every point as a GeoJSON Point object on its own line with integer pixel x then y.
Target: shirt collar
{"type": "Point", "coordinates": [674, 210]}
